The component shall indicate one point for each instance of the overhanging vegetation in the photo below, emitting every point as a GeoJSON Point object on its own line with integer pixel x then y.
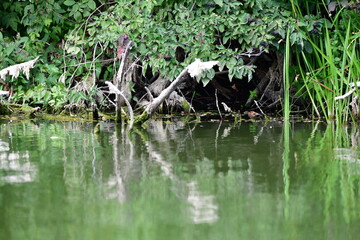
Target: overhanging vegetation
{"type": "Point", "coordinates": [83, 44]}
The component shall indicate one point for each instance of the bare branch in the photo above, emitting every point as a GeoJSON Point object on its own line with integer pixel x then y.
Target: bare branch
{"type": "Point", "coordinates": [151, 98]}
{"type": "Point", "coordinates": [113, 89]}
{"type": "Point", "coordinates": [345, 95]}
{"type": "Point", "coordinates": [251, 54]}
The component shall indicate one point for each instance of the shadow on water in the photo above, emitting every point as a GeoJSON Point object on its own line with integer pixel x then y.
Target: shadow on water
{"type": "Point", "coordinates": [179, 181]}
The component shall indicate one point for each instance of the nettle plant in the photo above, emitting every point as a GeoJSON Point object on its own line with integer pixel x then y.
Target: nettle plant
{"type": "Point", "coordinates": [169, 35]}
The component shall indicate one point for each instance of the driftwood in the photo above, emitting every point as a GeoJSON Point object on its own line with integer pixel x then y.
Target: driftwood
{"type": "Point", "coordinates": [175, 100]}
{"type": "Point", "coordinates": [152, 106]}
{"type": "Point", "coordinates": [193, 70]}
{"type": "Point", "coordinates": [353, 87]}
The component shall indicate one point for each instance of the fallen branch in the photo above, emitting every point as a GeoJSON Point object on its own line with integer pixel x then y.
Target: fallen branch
{"type": "Point", "coordinates": [4, 93]}
{"type": "Point", "coordinates": [351, 91]}
{"type": "Point", "coordinates": [194, 70]}
{"type": "Point", "coordinates": [345, 95]}
{"type": "Point", "coordinates": [217, 103]}
{"type": "Point", "coordinates": [251, 54]}
{"type": "Point", "coordinates": [152, 106]}
{"type": "Point", "coordinates": [149, 94]}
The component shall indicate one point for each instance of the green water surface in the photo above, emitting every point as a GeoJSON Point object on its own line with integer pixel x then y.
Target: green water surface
{"type": "Point", "coordinates": [72, 180]}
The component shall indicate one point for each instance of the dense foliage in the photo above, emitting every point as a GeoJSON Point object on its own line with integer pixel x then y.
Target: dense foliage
{"type": "Point", "coordinates": [168, 35]}
{"type": "Point", "coordinates": [38, 28]}
{"type": "Point", "coordinates": [78, 40]}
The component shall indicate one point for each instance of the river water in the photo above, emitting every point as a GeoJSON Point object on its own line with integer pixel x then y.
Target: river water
{"type": "Point", "coordinates": [176, 180]}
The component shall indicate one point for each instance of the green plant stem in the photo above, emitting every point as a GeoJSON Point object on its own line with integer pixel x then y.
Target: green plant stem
{"type": "Point", "coordinates": [286, 76]}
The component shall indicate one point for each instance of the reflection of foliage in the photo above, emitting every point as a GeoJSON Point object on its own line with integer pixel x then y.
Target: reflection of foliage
{"type": "Point", "coordinates": [245, 179]}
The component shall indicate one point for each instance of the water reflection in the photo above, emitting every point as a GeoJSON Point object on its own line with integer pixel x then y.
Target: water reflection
{"type": "Point", "coordinates": [349, 151]}
{"type": "Point", "coordinates": [15, 165]}
{"type": "Point", "coordinates": [116, 187]}
{"type": "Point", "coordinates": [203, 208]}
{"type": "Point", "coordinates": [347, 154]}
{"type": "Point", "coordinates": [179, 180]}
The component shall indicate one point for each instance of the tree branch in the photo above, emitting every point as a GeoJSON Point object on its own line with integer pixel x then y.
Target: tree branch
{"type": "Point", "coordinates": [194, 70]}
{"type": "Point", "coordinates": [113, 89]}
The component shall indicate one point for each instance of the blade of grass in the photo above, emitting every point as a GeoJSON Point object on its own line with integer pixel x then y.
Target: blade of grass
{"type": "Point", "coordinates": [286, 76]}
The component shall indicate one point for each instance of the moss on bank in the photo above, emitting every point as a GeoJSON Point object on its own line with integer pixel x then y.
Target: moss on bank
{"type": "Point", "coordinates": [24, 112]}
{"type": "Point", "coordinates": [18, 111]}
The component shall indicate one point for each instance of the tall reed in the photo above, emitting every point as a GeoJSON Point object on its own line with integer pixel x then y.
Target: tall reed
{"type": "Point", "coordinates": [331, 68]}
{"type": "Point", "coordinates": [287, 78]}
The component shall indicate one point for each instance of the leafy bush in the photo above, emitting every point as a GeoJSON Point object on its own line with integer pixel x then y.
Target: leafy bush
{"type": "Point", "coordinates": [168, 35]}
{"type": "Point", "coordinates": [40, 27]}
{"type": "Point", "coordinates": [76, 38]}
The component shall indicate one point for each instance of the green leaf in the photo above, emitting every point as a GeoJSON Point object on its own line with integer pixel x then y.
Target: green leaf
{"type": "Point", "coordinates": [91, 4]}
{"type": "Point", "coordinates": [86, 13]}
{"type": "Point", "coordinates": [73, 50]}
{"type": "Point", "coordinates": [250, 76]}
{"type": "Point", "coordinates": [210, 74]}
{"type": "Point", "coordinates": [225, 39]}
{"type": "Point", "coordinates": [231, 63]}
{"type": "Point", "coordinates": [232, 73]}
{"type": "Point", "coordinates": [28, 8]}
{"type": "Point", "coordinates": [75, 8]}
{"type": "Point", "coordinates": [69, 2]}
{"type": "Point", "coordinates": [205, 81]}
{"type": "Point", "coordinates": [308, 47]}
{"type": "Point", "coordinates": [221, 28]}
{"type": "Point", "coordinates": [78, 16]}
{"type": "Point", "coordinates": [219, 2]}
{"type": "Point", "coordinates": [13, 23]}
{"type": "Point", "coordinates": [47, 22]}
{"type": "Point", "coordinates": [91, 31]}
{"type": "Point", "coordinates": [10, 48]}
{"type": "Point", "coordinates": [221, 65]}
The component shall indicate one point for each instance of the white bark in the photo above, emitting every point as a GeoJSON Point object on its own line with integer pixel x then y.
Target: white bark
{"type": "Point", "coordinates": [345, 95]}
{"type": "Point", "coordinates": [353, 86]}
{"type": "Point", "coordinates": [15, 70]}
{"type": "Point", "coordinates": [194, 70]}
{"type": "Point", "coordinates": [113, 89]}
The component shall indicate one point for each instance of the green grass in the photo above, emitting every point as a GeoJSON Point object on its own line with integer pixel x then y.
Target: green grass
{"type": "Point", "coordinates": [328, 70]}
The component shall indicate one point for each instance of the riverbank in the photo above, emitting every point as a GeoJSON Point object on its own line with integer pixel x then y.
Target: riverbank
{"type": "Point", "coordinates": [15, 112]}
